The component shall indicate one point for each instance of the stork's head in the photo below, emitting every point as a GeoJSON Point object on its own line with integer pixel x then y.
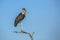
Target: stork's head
{"type": "Point", "coordinates": [24, 10]}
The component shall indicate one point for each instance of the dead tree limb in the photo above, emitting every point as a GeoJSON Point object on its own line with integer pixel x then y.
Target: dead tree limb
{"type": "Point", "coordinates": [30, 35]}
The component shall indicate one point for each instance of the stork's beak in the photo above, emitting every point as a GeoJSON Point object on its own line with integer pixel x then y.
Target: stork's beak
{"type": "Point", "coordinates": [26, 11]}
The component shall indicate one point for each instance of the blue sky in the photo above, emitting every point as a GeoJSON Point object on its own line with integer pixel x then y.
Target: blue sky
{"type": "Point", "coordinates": [43, 18]}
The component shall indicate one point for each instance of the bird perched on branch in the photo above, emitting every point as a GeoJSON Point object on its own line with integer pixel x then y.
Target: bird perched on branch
{"type": "Point", "coordinates": [20, 18]}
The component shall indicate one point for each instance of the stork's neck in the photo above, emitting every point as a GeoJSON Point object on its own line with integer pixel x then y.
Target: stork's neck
{"type": "Point", "coordinates": [23, 13]}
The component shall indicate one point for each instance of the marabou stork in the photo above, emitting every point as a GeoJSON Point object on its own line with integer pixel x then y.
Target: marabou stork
{"type": "Point", "coordinates": [20, 18]}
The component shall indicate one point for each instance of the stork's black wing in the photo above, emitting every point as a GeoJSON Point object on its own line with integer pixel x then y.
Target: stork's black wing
{"type": "Point", "coordinates": [18, 19]}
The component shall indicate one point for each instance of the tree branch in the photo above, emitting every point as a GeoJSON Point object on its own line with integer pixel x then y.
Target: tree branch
{"type": "Point", "coordinates": [30, 36]}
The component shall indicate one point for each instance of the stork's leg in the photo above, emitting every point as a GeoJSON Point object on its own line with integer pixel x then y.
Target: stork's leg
{"type": "Point", "coordinates": [21, 25]}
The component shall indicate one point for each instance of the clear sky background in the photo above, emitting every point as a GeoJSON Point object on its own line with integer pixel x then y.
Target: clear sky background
{"type": "Point", "coordinates": [43, 18]}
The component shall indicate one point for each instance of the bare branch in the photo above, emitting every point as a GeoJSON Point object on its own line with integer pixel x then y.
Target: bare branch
{"type": "Point", "coordinates": [30, 36]}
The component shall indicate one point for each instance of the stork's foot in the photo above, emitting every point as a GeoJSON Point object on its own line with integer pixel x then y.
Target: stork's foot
{"type": "Point", "coordinates": [19, 31]}
{"type": "Point", "coordinates": [22, 31]}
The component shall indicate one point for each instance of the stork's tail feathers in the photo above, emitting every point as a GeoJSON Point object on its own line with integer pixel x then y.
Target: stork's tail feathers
{"type": "Point", "coordinates": [15, 24]}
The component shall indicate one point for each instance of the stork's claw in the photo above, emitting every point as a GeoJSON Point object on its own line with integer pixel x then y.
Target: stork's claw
{"type": "Point", "coordinates": [22, 31]}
